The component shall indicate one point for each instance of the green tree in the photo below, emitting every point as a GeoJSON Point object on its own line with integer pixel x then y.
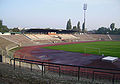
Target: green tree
{"type": "Point", "coordinates": [74, 28]}
{"type": "Point", "coordinates": [102, 30]}
{"type": "Point", "coordinates": [78, 26]}
{"type": "Point", "coordinates": [83, 27]}
{"type": "Point", "coordinates": [69, 26]}
{"type": "Point", "coordinates": [0, 23]}
{"type": "Point", "coordinates": [111, 30]}
{"type": "Point", "coordinates": [15, 30]}
{"type": "Point", "coordinates": [4, 29]}
{"type": "Point", "coordinates": [112, 26]}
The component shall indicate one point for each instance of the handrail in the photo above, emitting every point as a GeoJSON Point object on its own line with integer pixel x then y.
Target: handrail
{"type": "Point", "coordinates": [59, 68]}
{"type": "Point", "coordinates": [113, 75]}
{"type": "Point", "coordinates": [69, 65]}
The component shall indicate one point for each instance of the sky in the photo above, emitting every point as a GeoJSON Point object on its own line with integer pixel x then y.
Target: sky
{"type": "Point", "coordinates": [55, 13]}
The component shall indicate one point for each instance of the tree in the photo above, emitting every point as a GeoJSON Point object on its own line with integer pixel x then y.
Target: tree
{"type": "Point", "coordinates": [112, 26]}
{"type": "Point", "coordinates": [111, 30]}
{"type": "Point", "coordinates": [69, 26]}
{"type": "Point", "coordinates": [3, 28]}
{"type": "Point", "coordinates": [102, 30]}
{"type": "Point", "coordinates": [0, 23]}
{"type": "Point", "coordinates": [83, 27]}
{"type": "Point", "coordinates": [78, 26]}
{"type": "Point", "coordinates": [74, 28]}
{"type": "Point", "coordinates": [15, 30]}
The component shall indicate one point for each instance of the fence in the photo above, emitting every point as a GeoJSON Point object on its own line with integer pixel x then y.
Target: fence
{"type": "Point", "coordinates": [94, 75]}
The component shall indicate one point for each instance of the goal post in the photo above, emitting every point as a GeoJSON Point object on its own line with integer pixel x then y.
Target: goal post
{"type": "Point", "coordinates": [92, 49]}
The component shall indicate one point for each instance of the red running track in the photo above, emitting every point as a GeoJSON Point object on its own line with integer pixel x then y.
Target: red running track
{"type": "Point", "coordinates": [64, 57]}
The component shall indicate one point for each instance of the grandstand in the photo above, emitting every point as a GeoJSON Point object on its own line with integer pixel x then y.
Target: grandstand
{"type": "Point", "coordinates": [28, 39]}
{"type": "Point", "coordinates": [6, 43]}
{"type": "Point", "coordinates": [84, 37]}
{"type": "Point", "coordinates": [36, 37]}
{"type": "Point", "coordinates": [99, 36]}
{"type": "Point", "coordinates": [51, 38]}
{"type": "Point", "coordinates": [21, 40]}
{"type": "Point", "coordinates": [62, 35]}
{"type": "Point", "coordinates": [66, 37]}
{"type": "Point", "coordinates": [115, 37]}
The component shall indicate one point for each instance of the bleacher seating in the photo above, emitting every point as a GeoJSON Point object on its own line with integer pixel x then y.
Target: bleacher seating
{"type": "Point", "coordinates": [115, 37]}
{"type": "Point", "coordinates": [5, 44]}
{"type": "Point", "coordinates": [44, 38]}
{"type": "Point", "coordinates": [67, 36]}
{"type": "Point", "coordinates": [84, 37]}
{"type": "Point", "coordinates": [52, 38]}
{"type": "Point", "coordinates": [18, 39]}
{"type": "Point", "coordinates": [41, 37]}
{"type": "Point", "coordinates": [36, 39]}
{"type": "Point", "coordinates": [31, 36]}
{"type": "Point", "coordinates": [99, 36]}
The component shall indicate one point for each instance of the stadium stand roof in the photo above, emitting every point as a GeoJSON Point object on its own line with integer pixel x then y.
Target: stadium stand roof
{"type": "Point", "coordinates": [45, 31]}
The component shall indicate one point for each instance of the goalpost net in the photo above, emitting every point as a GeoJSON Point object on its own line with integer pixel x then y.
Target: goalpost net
{"type": "Point", "coordinates": [91, 50]}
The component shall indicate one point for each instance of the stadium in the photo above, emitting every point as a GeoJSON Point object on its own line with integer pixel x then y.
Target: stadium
{"type": "Point", "coordinates": [90, 57]}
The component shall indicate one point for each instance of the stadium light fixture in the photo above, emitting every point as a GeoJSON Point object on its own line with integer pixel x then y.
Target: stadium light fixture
{"type": "Point", "coordinates": [84, 8]}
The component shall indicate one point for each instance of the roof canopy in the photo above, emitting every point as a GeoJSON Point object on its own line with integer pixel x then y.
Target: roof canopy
{"type": "Point", "coordinates": [45, 31]}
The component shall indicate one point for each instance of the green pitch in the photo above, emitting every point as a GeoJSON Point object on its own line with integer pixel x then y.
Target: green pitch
{"type": "Point", "coordinates": [108, 48]}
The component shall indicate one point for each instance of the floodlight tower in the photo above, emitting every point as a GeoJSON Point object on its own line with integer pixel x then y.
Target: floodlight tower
{"type": "Point", "coordinates": [84, 8]}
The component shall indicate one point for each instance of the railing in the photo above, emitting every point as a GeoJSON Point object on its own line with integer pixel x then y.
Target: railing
{"type": "Point", "coordinates": [92, 71]}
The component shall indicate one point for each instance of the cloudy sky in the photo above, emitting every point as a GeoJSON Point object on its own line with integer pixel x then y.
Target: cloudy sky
{"type": "Point", "coordinates": [55, 13]}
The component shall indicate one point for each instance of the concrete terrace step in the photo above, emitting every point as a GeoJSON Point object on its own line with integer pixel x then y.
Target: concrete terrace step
{"type": "Point", "coordinates": [18, 39]}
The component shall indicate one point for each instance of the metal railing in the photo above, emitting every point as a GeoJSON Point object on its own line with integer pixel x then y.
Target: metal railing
{"type": "Point", "coordinates": [91, 71]}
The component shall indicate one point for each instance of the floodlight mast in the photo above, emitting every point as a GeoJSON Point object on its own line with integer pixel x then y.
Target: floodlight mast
{"type": "Point", "coordinates": [84, 8]}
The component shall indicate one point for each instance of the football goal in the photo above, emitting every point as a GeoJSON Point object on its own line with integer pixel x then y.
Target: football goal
{"type": "Point", "coordinates": [92, 50]}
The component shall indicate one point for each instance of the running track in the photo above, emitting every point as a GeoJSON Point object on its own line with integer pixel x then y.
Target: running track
{"type": "Point", "coordinates": [64, 57]}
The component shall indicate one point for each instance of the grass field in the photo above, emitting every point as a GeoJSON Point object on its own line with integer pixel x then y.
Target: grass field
{"type": "Point", "coordinates": [108, 48]}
